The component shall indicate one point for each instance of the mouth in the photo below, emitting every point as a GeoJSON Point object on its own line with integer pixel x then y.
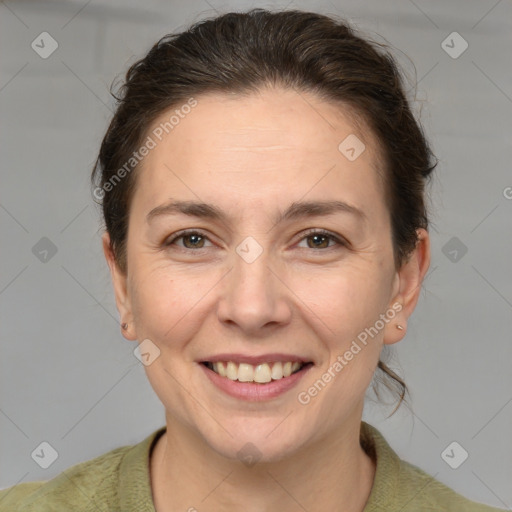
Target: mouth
{"type": "Point", "coordinates": [262, 373]}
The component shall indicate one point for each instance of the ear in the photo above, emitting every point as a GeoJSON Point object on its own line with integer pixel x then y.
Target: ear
{"type": "Point", "coordinates": [119, 282]}
{"type": "Point", "coordinates": [407, 287]}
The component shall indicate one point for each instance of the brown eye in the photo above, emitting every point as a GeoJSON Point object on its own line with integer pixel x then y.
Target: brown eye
{"type": "Point", "coordinates": [320, 239]}
{"type": "Point", "coordinates": [191, 240]}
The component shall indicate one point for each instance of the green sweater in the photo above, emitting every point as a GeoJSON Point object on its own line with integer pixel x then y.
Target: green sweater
{"type": "Point", "coordinates": [118, 481]}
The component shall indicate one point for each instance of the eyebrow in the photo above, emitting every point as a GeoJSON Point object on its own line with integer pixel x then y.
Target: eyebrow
{"type": "Point", "coordinates": [297, 210]}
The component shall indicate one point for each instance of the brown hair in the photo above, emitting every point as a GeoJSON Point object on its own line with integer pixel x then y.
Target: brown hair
{"type": "Point", "coordinates": [244, 52]}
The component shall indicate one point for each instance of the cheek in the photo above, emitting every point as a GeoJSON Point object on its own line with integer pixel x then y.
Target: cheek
{"type": "Point", "coordinates": [344, 300]}
{"type": "Point", "coordinates": [169, 302]}
{"type": "Point", "coordinates": [159, 301]}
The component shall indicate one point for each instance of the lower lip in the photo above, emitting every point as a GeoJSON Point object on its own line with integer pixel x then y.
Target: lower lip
{"type": "Point", "coordinates": [252, 391]}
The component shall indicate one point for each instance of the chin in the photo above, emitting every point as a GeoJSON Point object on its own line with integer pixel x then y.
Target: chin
{"type": "Point", "coordinates": [259, 441]}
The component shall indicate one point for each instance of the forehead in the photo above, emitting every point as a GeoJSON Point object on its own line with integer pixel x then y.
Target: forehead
{"type": "Point", "coordinates": [273, 143]}
{"type": "Point", "coordinates": [300, 120]}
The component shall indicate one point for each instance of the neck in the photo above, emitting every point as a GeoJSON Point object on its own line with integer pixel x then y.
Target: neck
{"type": "Point", "coordinates": [187, 475]}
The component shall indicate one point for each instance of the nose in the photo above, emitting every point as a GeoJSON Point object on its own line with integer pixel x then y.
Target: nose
{"type": "Point", "coordinates": [254, 296]}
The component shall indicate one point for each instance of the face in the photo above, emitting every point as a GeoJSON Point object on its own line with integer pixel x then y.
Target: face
{"type": "Point", "coordinates": [259, 277]}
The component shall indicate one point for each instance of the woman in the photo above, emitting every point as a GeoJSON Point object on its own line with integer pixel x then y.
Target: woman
{"type": "Point", "coordinates": [262, 184]}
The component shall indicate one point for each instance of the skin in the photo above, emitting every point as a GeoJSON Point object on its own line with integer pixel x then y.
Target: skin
{"type": "Point", "coordinates": [253, 156]}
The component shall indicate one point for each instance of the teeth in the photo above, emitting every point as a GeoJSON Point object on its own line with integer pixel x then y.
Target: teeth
{"type": "Point", "coordinates": [220, 369]}
{"type": "Point", "coordinates": [277, 371]}
{"type": "Point", "coordinates": [231, 371]}
{"type": "Point", "coordinates": [245, 372]}
{"type": "Point", "coordinates": [295, 366]}
{"type": "Point", "coordinates": [262, 373]}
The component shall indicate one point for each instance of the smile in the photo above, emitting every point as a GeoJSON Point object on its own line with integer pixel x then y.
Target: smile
{"type": "Point", "coordinates": [261, 373]}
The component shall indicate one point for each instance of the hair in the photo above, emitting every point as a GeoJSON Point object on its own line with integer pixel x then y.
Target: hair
{"type": "Point", "coordinates": [243, 53]}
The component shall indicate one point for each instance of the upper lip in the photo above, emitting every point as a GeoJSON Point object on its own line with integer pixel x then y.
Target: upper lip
{"type": "Point", "coordinates": [255, 360]}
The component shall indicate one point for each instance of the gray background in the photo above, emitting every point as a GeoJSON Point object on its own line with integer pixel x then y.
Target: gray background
{"type": "Point", "coordinates": [68, 377]}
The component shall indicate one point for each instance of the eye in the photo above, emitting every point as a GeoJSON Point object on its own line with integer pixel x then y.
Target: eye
{"type": "Point", "coordinates": [196, 239]}
{"type": "Point", "coordinates": [319, 237]}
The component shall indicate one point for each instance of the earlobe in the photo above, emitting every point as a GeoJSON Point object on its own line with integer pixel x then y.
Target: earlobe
{"type": "Point", "coordinates": [408, 280]}
{"type": "Point", "coordinates": [119, 283]}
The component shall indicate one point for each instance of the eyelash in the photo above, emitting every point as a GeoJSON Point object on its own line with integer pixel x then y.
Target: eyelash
{"type": "Point", "coordinates": [307, 234]}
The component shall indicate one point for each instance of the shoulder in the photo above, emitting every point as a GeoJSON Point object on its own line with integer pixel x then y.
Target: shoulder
{"type": "Point", "coordinates": [14, 495]}
{"type": "Point", "coordinates": [85, 487]}
{"type": "Point", "coordinates": [419, 491]}
{"type": "Point", "coordinates": [400, 485]}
